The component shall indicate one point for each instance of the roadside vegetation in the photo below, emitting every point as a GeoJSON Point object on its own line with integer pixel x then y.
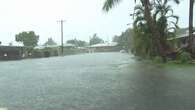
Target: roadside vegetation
{"type": "Point", "coordinates": [154, 25]}
{"type": "Point", "coordinates": [154, 35]}
{"type": "Point", "coordinates": [31, 49]}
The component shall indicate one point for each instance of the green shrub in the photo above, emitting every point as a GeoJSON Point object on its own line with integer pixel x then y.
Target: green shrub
{"type": "Point", "coordinates": [37, 53]}
{"type": "Point", "coordinates": [185, 57]}
{"type": "Point", "coordinates": [47, 54]}
{"type": "Point", "coordinates": [158, 59]}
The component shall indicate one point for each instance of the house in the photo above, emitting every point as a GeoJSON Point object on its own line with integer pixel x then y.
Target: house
{"type": "Point", "coordinates": [11, 52]}
{"type": "Point", "coordinates": [69, 46]}
{"type": "Point", "coordinates": [104, 47]}
{"type": "Point", "coordinates": [181, 40]}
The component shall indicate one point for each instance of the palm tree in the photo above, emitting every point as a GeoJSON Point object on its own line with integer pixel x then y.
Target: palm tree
{"type": "Point", "coordinates": [147, 15]}
{"type": "Point", "coordinates": [166, 25]}
{"type": "Point", "coordinates": [147, 5]}
{"type": "Point", "coordinates": [165, 19]}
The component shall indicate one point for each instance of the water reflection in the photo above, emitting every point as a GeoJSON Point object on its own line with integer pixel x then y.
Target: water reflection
{"type": "Point", "coordinates": [106, 81]}
{"type": "Point", "coordinates": [155, 89]}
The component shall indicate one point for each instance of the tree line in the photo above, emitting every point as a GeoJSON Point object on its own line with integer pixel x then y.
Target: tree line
{"type": "Point", "coordinates": [30, 39]}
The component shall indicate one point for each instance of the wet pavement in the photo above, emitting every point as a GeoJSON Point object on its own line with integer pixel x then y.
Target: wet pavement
{"type": "Point", "coordinates": [101, 81]}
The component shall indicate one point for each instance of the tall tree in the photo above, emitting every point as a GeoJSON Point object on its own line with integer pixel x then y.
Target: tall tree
{"type": "Point", "coordinates": [124, 40]}
{"type": "Point", "coordinates": [166, 23]}
{"type": "Point", "coordinates": [95, 40]}
{"type": "Point", "coordinates": [150, 22]}
{"type": "Point", "coordinates": [115, 38]}
{"type": "Point", "coordinates": [78, 43]}
{"type": "Point", "coordinates": [50, 41]}
{"type": "Point", "coordinates": [27, 38]}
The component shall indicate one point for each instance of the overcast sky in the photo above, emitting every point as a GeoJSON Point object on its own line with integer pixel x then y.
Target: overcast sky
{"type": "Point", "coordinates": [84, 17]}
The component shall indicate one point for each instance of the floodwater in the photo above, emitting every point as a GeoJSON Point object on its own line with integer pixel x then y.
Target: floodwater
{"type": "Point", "coordinates": [99, 81]}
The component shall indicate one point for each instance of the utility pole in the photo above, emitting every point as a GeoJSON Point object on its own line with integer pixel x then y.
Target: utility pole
{"type": "Point", "coordinates": [191, 31]}
{"type": "Point", "coordinates": [62, 36]}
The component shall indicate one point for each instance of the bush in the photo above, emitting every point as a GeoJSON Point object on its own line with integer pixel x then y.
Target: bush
{"type": "Point", "coordinates": [47, 54]}
{"type": "Point", "coordinates": [185, 57]}
{"type": "Point", "coordinates": [50, 52]}
{"type": "Point", "coordinates": [37, 54]}
{"type": "Point", "coordinates": [158, 59]}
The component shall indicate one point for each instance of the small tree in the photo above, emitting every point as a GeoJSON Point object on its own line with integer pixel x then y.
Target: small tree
{"type": "Point", "coordinates": [78, 43]}
{"type": "Point", "coordinates": [11, 44]}
{"type": "Point", "coordinates": [124, 40]}
{"type": "Point", "coordinates": [27, 38]}
{"type": "Point", "coordinates": [50, 41]}
{"type": "Point", "coordinates": [95, 40]}
{"type": "Point", "coordinates": [115, 38]}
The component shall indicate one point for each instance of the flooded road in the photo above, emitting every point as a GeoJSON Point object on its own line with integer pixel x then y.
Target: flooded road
{"type": "Point", "coordinates": [102, 81]}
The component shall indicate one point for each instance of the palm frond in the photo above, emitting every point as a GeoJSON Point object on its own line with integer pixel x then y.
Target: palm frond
{"type": "Point", "coordinates": [176, 1]}
{"type": "Point", "coordinates": [168, 9]}
{"type": "Point", "coordinates": [138, 20]}
{"type": "Point", "coordinates": [109, 4]}
{"type": "Point", "coordinates": [175, 17]}
{"type": "Point", "coordinates": [139, 7]}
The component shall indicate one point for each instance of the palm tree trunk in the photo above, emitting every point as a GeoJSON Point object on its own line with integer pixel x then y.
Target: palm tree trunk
{"type": "Point", "coordinates": [191, 39]}
{"type": "Point", "coordinates": [153, 27]}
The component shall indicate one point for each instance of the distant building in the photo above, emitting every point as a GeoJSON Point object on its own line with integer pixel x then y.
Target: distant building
{"type": "Point", "coordinates": [112, 44]}
{"type": "Point", "coordinates": [104, 47]}
{"type": "Point", "coordinates": [11, 52]}
{"type": "Point", "coordinates": [47, 46]}
{"type": "Point", "coordinates": [69, 46]}
{"type": "Point", "coordinates": [181, 40]}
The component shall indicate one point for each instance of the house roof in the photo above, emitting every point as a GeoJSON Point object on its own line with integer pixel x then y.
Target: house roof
{"type": "Point", "coordinates": [105, 44]}
{"type": "Point", "coordinates": [69, 45]}
{"type": "Point", "coordinates": [178, 37]}
{"type": "Point", "coordinates": [42, 46]}
{"type": "Point", "coordinates": [181, 36]}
